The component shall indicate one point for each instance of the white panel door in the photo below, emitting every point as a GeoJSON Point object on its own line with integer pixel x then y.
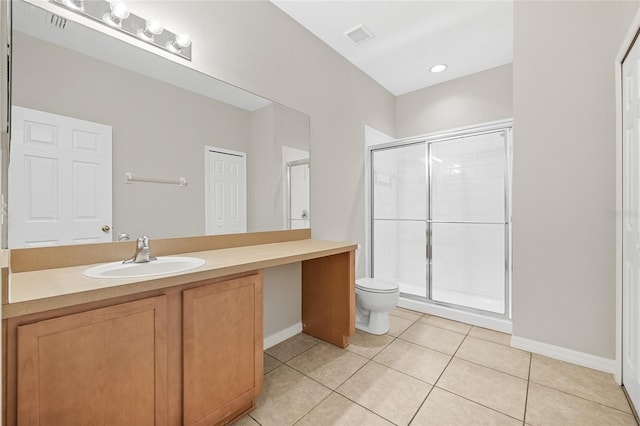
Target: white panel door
{"type": "Point", "coordinates": [631, 230]}
{"type": "Point", "coordinates": [59, 180]}
{"type": "Point", "coordinates": [226, 192]}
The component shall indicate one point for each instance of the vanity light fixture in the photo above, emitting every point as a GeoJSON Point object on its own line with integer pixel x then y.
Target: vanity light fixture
{"type": "Point", "coordinates": [438, 68]}
{"type": "Point", "coordinates": [116, 15]}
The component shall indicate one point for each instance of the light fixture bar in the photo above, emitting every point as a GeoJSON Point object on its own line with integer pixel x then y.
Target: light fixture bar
{"type": "Point", "coordinates": [115, 15]}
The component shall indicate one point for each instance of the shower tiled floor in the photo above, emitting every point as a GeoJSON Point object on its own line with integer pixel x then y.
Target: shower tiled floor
{"type": "Point", "coordinates": [430, 371]}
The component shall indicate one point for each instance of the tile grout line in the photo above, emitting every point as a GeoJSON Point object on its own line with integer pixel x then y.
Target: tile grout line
{"type": "Point", "coordinates": [439, 376]}
{"type": "Point", "coordinates": [368, 360]}
{"type": "Point", "coordinates": [312, 408]}
{"type": "Point", "coordinates": [582, 398]}
{"type": "Point", "coordinates": [309, 348]}
{"type": "Point", "coordinates": [526, 395]}
{"type": "Point", "coordinates": [494, 369]}
{"type": "Point", "coordinates": [471, 400]}
{"type": "Point", "coordinates": [465, 337]}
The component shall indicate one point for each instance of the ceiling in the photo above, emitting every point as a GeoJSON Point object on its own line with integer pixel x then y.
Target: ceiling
{"type": "Point", "coordinates": [412, 36]}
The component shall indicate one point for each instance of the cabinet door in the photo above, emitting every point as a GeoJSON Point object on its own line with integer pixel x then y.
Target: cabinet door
{"type": "Point", "coordinates": [102, 367]}
{"type": "Point", "coordinates": [222, 349]}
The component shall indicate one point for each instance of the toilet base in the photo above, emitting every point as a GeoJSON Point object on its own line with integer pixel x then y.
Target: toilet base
{"type": "Point", "coordinates": [374, 323]}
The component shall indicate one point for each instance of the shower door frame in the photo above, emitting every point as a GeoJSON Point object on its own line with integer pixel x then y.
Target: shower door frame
{"type": "Point", "coordinates": [505, 126]}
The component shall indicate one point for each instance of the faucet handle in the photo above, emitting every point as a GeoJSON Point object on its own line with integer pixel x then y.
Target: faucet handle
{"type": "Point", "coordinates": [143, 242]}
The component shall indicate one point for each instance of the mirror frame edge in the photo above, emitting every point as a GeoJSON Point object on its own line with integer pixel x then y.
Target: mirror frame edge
{"type": "Point", "coordinates": [5, 116]}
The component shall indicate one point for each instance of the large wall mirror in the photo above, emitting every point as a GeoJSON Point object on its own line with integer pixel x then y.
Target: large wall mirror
{"type": "Point", "coordinates": [177, 142]}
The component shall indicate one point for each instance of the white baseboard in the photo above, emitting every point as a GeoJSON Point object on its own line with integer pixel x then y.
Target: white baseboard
{"type": "Point", "coordinates": [563, 354]}
{"type": "Point", "coordinates": [282, 335]}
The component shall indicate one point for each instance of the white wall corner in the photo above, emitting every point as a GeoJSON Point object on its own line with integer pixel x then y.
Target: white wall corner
{"type": "Point", "coordinates": [282, 335]}
{"type": "Point", "coordinates": [563, 354]}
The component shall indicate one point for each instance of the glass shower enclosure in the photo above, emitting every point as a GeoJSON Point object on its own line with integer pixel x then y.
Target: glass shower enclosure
{"type": "Point", "coordinates": [440, 218]}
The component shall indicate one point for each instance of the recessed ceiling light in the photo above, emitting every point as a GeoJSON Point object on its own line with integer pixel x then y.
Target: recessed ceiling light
{"type": "Point", "coordinates": [438, 68]}
{"type": "Point", "coordinates": [359, 34]}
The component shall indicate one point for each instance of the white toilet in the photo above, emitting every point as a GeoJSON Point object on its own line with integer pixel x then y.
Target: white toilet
{"type": "Point", "coordinates": [374, 299]}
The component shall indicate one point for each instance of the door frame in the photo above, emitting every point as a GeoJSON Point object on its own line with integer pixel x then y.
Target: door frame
{"type": "Point", "coordinates": [628, 41]}
{"type": "Point", "coordinates": [208, 227]}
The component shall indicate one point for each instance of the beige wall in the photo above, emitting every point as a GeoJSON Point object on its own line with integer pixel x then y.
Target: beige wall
{"type": "Point", "coordinates": [474, 99]}
{"type": "Point", "coordinates": [262, 147]}
{"type": "Point", "coordinates": [564, 172]}
{"type": "Point", "coordinates": [272, 128]}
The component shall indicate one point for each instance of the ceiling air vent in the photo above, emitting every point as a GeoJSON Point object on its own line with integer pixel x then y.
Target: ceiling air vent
{"type": "Point", "coordinates": [57, 21]}
{"type": "Point", "coordinates": [359, 34]}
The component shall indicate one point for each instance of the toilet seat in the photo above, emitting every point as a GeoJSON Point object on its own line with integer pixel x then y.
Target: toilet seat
{"type": "Point", "coordinates": [376, 285]}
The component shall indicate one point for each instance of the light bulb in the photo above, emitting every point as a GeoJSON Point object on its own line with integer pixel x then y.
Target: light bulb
{"type": "Point", "coordinates": [153, 27]}
{"type": "Point", "coordinates": [119, 10]}
{"type": "Point", "coordinates": [182, 41]}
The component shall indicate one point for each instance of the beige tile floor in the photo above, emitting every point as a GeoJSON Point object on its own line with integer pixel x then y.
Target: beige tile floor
{"type": "Point", "coordinates": [430, 371]}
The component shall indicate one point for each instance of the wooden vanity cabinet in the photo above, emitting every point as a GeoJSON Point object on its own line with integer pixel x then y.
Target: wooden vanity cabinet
{"type": "Point", "coordinates": [222, 350]}
{"type": "Point", "coordinates": [106, 366]}
{"type": "Point", "coordinates": [190, 354]}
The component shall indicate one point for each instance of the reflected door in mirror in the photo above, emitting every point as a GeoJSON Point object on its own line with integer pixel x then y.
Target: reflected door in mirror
{"type": "Point", "coordinates": [59, 180]}
{"type": "Point", "coordinates": [226, 191]}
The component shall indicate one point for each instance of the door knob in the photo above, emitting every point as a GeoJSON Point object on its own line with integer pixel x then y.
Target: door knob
{"type": "Point", "coordinates": [106, 228]}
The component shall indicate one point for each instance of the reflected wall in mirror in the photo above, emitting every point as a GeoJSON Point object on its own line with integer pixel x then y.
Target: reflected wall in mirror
{"type": "Point", "coordinates": [161, 115]}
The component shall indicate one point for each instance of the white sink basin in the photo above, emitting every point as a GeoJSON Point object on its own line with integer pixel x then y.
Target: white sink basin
{"type": "Point", "coordinates": [163, 265]}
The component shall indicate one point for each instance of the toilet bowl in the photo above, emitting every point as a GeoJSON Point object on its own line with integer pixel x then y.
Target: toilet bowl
{"type": "Point", "coordinates": [374, 299]}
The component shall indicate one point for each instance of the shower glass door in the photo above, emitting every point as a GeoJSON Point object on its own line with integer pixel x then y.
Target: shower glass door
{"type": "Point", "coordinates": [399, 237]}
{"type": "Point", "coordinates": [440, 218]}
{"type": "Point", "coordinates": [468, 221]}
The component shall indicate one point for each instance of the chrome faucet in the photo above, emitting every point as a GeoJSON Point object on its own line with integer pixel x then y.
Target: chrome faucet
{"type": "Point", "coordinates": [143, 252]}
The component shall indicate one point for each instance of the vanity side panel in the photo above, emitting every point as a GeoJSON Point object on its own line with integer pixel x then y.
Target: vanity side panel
{"type": "Point", "coordinates": [4, 373]}
{"type": "Point", "coordinates": [328, 298]}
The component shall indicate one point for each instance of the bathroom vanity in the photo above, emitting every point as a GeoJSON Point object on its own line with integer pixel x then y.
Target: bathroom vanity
{"type": "Point", "coordinates": [165, 350]}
